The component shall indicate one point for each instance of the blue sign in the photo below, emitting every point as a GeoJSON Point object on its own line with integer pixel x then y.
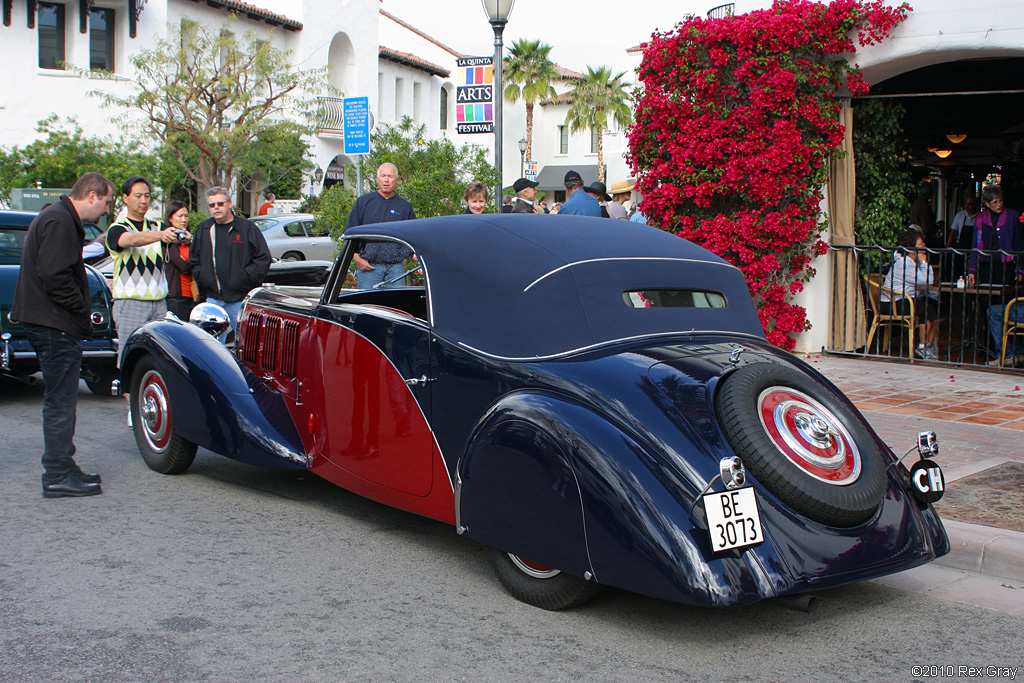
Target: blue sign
{"type": "Point", "coordinates": [357, 125]}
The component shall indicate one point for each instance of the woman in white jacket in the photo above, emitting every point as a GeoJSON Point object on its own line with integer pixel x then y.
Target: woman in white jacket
{"type": "Point", "coordinates": [911, 278]}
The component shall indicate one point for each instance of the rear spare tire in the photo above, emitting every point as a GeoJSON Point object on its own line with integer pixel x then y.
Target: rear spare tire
{"type": "Point", "coordinates": [802, 443]}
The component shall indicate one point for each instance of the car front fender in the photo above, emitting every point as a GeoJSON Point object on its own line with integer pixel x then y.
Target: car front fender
{"type": "Point", "coordinates": [217, 403]}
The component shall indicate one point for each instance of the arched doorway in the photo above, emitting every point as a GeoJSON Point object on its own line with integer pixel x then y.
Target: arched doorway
{"type": "Point", "coordinates": [338, 171]}
{"type": "Point", "coordinates": [344, 68]}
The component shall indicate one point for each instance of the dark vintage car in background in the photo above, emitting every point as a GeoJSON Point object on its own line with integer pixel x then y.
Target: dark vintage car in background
{"type": "Point", "coordinates": [294, 273]}
{"type": "Point", "coordinates": [17, 358]}
{"type": "Point", "coordinates": [594, 400]}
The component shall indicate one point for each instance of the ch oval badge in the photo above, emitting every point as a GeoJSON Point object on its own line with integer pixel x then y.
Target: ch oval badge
{"type": "Point", "coordinates": [926, 481]}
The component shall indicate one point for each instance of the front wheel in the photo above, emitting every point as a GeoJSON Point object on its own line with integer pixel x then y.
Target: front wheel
{"type": "Point", "coordinates": [163, 448]}
{"type": "Point", "coordinates": [541, 586]}
{"type": "Point", "coordinates": [293, 256]}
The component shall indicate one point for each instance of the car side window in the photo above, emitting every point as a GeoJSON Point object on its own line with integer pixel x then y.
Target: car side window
{"type": "Point", "coordinates": [314, 230]}
{"type": "Point", "coordinates": [294, 229]}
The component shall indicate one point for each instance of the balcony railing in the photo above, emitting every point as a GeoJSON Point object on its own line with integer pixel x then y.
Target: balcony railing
{"type": "Point", "coordinates": [966, 314]}
{"type": "Point", "coordinates": [726, 10]}
{"type": "Point", "coordinates": [331, 115]}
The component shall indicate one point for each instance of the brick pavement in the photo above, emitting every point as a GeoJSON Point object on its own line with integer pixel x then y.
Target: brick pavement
{"type": "Point", "coordinates": [978, 416]}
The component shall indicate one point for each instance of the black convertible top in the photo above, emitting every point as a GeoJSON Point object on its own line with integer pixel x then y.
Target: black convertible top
{"type": "Point", "coordinates": [528, 286]}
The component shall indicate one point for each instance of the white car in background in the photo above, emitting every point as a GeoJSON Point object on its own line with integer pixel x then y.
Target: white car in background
{"type": "Point", "coordinates": [296, 237]}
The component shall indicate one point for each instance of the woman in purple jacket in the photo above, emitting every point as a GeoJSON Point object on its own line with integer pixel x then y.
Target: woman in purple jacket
{"type": "Point", "coordinates": [995, 228]}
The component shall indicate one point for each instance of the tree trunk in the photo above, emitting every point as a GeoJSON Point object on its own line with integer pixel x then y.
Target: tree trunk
{"type": "Point", "coordinates": [600, 154]}
{"type": "Point", "coordinates": [529, 131]}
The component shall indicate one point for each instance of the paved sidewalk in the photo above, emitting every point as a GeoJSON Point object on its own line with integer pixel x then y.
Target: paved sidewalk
{"type": "Point", "coordinates": [978, 416]}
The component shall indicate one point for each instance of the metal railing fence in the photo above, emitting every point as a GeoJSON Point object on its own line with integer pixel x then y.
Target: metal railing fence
{"type": "Point", "coordinates": [966, 313]}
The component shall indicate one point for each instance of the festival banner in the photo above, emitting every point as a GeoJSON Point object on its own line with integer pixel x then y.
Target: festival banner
{"type": "Point", "coordinates": [474, 95]}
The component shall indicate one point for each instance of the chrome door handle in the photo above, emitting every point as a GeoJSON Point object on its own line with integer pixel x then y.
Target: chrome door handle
{"type": "Point", "coordinates": [422, 380]}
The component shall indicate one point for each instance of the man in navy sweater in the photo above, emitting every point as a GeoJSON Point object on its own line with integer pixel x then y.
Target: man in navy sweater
{"type": "Point", "coordinates": [380, 261]}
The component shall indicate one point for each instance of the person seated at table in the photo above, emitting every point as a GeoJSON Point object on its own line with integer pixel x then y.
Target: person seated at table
{"type": "Point", "coordinates": [1014, 348]}
{"type": "Point", "coordinates": [911, 278]}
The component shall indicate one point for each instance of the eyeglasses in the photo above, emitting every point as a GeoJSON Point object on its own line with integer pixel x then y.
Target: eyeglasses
{"type": "Point", "coordinates": [216, 205]}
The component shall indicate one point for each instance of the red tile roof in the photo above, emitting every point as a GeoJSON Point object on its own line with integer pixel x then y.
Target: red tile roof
{"type": "Point", "coordinates": [420, 33]}
{"type": "Point", "coordinates": [415, 62]}
{"type": "Point", "coordinates": [254, 13]}
{"type": "Point", "coordinates": [568, 74]}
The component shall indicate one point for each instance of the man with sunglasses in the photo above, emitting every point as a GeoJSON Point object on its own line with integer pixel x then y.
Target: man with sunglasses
{"type": "Point", "coordinates": [229, 255]}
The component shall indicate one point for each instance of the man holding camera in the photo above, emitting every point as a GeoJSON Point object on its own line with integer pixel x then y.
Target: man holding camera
{"type": "Point", "coordinates": [139, 286]}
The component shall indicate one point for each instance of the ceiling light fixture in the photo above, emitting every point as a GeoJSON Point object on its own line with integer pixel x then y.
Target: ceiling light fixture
{"type": "Point", "coordinates": [956, 138]}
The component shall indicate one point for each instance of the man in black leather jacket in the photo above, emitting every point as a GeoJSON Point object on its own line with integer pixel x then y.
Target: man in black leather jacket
{"type": "Point", "coordinates": [52, 300]}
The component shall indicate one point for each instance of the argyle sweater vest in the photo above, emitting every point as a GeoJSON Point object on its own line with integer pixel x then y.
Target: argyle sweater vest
{"type": "Point", "coordinates": [139, 271]}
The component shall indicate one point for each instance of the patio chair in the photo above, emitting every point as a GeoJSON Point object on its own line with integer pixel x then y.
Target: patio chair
{"type": "Point", "coordinates": [1010, 327]}
{"type": "Point", "coordinates": [875, 289]}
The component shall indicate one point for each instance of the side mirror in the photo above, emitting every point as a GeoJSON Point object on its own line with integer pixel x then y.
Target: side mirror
{"type": "Point", "coordinates": [211, 318]}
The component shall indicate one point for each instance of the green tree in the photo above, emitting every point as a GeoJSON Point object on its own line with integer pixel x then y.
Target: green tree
{"type": "Point", "coordinates": [333, 207]}
{"type": "Point", "coordinates": [64, 153]}
{"type": "Point", "coordinates": [597, 100]}
{"type": "Point", "coordinates": [204, 90]}
{"type": "Point", "coordinates": [885, 180]}
{"type": "Point", "coordinates": [279, 158]}
{"type": "Point", "coordinates": [434, 173]}
{"type": "Point", "coordinates": [530, 73]}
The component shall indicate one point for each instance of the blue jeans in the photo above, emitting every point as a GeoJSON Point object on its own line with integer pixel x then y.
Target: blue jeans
{"type": "Point", "coordinates": [232, 310]}
{"type": "Point", "coordinates": [60, 359]}
{"type": "Point", "coordinates": [366, 279]}
{"type": "Point", "coordinates": [995, 328]}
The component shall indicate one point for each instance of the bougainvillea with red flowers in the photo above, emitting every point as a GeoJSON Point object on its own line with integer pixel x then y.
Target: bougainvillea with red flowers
{"type": "Point", "coordinates": [734, 127]}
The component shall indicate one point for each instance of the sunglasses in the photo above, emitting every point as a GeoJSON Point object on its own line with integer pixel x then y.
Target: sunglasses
{"type": "Point", "coordinates": [216, 205]}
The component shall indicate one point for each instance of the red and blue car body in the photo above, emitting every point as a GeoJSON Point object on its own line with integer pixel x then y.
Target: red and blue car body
{"type": "Point", "coordinates": [554, 389]}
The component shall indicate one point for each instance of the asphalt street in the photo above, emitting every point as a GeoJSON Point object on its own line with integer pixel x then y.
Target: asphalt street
{"type": "Point", "coordinates": [233, 573]}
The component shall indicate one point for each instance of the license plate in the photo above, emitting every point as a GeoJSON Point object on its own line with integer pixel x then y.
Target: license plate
{"type": "Point", "coordinates": [733, 519]}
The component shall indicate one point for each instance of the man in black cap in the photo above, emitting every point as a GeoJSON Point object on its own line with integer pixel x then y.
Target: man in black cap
{"type": "Point", "coordinates": [578, 203]}
{"type": "Point", "coordinates": [526, 190]}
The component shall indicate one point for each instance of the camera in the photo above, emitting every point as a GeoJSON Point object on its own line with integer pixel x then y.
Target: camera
{"type": "Point", "coordinates": [182, 235]}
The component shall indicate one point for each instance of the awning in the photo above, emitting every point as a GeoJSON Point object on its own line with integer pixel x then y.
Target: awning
{"type": "Point", "coordinates": [553, 177]}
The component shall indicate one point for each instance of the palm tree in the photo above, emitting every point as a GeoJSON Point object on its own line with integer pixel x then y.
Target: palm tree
{"type": "Point", "coordinates": [595, 98]}
{"type": "Point", "coordinates": [529, 73]}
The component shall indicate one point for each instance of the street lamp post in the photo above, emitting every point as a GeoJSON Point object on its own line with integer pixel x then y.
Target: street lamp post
{"type": "Point", "coordinates": [522, 157]}
{"type": "Point", "coordinates": [497, 13]}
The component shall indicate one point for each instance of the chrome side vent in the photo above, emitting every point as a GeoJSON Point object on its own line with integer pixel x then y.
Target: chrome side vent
{"type": "Point", "coordinates": [268, 343]}
{"type": "Point", "coordinates": [251, 338]}
{"type": "Point", "coordinates": [289, 348]}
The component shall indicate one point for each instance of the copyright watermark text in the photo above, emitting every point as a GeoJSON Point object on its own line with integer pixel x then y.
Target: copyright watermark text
{"type": "Point", "coordinates": [960, 671]}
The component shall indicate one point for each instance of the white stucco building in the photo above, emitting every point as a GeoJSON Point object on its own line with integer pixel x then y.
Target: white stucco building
{"type": "Point", "coordinates": [38, 36]}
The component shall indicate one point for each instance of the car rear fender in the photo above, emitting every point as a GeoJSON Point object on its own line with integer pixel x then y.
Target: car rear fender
{"type": "Point", "coordinates": [216, 402]}
{"type": "Point", "coordinates": [552, 481]}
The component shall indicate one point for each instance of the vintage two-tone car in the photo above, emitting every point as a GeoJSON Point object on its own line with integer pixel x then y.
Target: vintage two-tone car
{"type": "Point", "coordinates": [17, 357]}
{"type": "Point", "coordinates": [592, 399]}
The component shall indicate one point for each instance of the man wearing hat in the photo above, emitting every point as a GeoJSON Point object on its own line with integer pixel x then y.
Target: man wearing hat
{"type": "Point", "coordinates": [598, 191]}
{"type": "Point", "coordinates": [578, 203]}
{"type": "Point", "coordinates": [525, 192]}
{"type": "Point", "coordinates": [621, 191]}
